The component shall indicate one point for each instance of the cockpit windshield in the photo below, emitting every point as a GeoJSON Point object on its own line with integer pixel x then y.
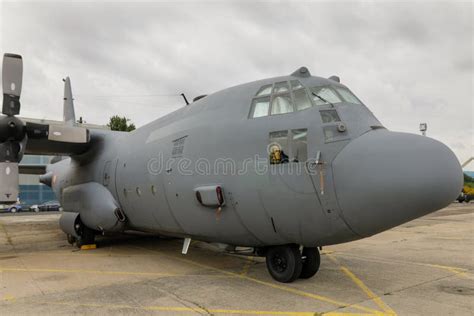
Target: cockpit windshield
{"type": "Point", "coordinates": [324, 95]}
{"type": "Point", "coordinates": [291, 96]}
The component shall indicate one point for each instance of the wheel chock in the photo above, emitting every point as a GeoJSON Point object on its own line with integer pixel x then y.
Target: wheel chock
{"type": "Point", "coordinates": [88, 247]}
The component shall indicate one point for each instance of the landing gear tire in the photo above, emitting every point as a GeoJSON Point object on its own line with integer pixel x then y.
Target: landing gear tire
{"type": "Point", "coordinates": [311, 261]}
{"type": "Point", "coordinates": [284, 263]}
{"type": "Point", "coordinates": [71, 239]}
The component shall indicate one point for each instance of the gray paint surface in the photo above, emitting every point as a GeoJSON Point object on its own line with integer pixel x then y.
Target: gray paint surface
{"type": "Point", "coordinates": [364, 168]}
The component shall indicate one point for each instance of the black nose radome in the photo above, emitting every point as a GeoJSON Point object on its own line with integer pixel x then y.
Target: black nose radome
{"type": "Point", "coordinates": [384, 179]}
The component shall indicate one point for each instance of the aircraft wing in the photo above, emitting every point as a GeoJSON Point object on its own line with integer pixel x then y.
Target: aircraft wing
{"type": "Point", "coordinates": [56, 139]}
{"type": "Point", "coordinates": [37, 169]}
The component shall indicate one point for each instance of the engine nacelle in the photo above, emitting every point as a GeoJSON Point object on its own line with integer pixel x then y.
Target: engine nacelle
{"type": "Point", "coordinates": [70, 223]}
{"type": "Point", "coordinates": [96, 206]}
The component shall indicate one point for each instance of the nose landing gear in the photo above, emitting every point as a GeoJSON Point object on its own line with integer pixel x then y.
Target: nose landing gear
{"type": "Point", "coordinates": [287, 263]}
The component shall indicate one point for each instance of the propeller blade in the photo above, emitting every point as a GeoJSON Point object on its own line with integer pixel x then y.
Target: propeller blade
{"type": "Point", "coordinates": [12, 76]}
{"type": "Point", "coordinates": [9, 182]}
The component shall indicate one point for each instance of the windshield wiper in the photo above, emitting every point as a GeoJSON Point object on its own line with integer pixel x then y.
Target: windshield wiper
{"type": "Point", "coordinates": [321, 98]}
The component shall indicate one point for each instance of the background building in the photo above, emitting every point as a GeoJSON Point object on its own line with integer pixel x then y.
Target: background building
{"type": "Point", "coordinates": [31, 190]}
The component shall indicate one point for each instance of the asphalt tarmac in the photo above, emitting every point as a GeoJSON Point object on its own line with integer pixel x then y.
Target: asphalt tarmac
{"type": "Point", "coordinates": [425, 267]}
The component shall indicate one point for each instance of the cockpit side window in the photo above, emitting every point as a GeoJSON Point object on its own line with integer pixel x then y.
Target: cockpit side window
{"type": "Point", "coordinates": [278, 148]}
{"type": "Point", "coordinates": [288, 146]}
{"type": "Point", "coordinates": [260, 107]}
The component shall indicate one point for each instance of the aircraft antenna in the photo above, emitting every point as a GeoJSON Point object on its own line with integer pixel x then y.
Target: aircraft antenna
{"type": "Point", "coordinates": [184, 97]}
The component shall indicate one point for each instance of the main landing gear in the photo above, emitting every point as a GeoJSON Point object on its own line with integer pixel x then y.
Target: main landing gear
{"type": "Point", "coordinates": [86, 237]}
{"type": "Point", "coordinates": [287, 263]}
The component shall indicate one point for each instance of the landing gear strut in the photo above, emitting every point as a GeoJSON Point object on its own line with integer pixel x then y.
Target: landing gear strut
{"type": "Point", "coordinates": [287, 263]}
{"type": "Point", "coordinates": [71, 239]}
{"type": "Point", "coordinates": [86, 237]}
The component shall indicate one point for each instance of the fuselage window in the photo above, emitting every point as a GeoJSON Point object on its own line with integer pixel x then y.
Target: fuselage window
{"type": "Point", "coordinates": [299, 145]}
{"type": "Point", "coordinates": [278, 148]}
{"type": "Point", "coordinates": [288, 146]}
{"type": "Point", "coordinates": [329, 116]}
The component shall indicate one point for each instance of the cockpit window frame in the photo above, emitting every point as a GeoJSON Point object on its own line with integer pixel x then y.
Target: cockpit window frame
{"type": "Point", "coordinates": [274, 94]}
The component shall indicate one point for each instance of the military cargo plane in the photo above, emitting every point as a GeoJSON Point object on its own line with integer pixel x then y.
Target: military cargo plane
{"type": "Point", "coordinates": [284, 166]}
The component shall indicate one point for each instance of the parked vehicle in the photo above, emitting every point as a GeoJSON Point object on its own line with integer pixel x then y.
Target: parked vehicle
{"type": "Point", "coordinates": [465, 197]}
{"type": "Point", "coordinates": [15, 208]}
{"type": "Point", "coordinates": [51, 206]}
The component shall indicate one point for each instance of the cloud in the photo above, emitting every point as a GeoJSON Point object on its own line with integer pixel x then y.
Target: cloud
{"type": "Point", "coordinates": [410, 62]}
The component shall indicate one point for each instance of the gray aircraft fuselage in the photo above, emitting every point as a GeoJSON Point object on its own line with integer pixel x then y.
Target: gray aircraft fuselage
{"type": "Point", "coordinates": [353, 177]}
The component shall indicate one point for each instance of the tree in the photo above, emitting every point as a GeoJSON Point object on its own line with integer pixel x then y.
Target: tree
{"type": "Point", "coordinates": [118, 123]}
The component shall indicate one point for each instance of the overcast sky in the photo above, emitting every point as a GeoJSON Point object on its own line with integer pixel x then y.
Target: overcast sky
{"type": "Point", "coordinates": [410, 62]}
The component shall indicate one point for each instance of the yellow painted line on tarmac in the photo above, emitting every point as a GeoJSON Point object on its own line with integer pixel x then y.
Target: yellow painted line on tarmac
{"type": "Point", "coordinates": [455, 270]}
{"type": "Point", "coordinates": [377, 300]}
{"type": "Point", "coordinates": [448, 268]}
{"type": "Point", "coordinates": [348, 314]}
{"type": "Point", "coordinates": [273, 285]}
{"type": "Point", "coordinates": [248, 264]}
{"type": "Point", "coordinates": [155, 274]}
{"type": "Point", "coordinates": [464, 273]}
{"type": "Point", "coordinates": [6, 269]}
{"type": "Point", "coordinates": [228, 311]}
{"type": "Point", "coordinates": [199, 309]}
{"type": "Point", "coordinates": [9, 298]}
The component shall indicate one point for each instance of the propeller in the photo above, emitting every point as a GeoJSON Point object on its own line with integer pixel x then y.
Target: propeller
{"type": "Point", "coordinates": [14, 133]}
{"type": "Point", "coordinates": [12, 130]}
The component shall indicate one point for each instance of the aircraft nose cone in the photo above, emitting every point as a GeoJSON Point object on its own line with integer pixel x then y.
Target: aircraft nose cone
{"type": "Point", "coordinates": [384, 179]}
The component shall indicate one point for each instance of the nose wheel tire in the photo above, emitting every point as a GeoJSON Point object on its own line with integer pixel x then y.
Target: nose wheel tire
{"type": "Point", "coordinates": [284, 263]}
{"type": "Point", "coordinates": [311, 261]}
